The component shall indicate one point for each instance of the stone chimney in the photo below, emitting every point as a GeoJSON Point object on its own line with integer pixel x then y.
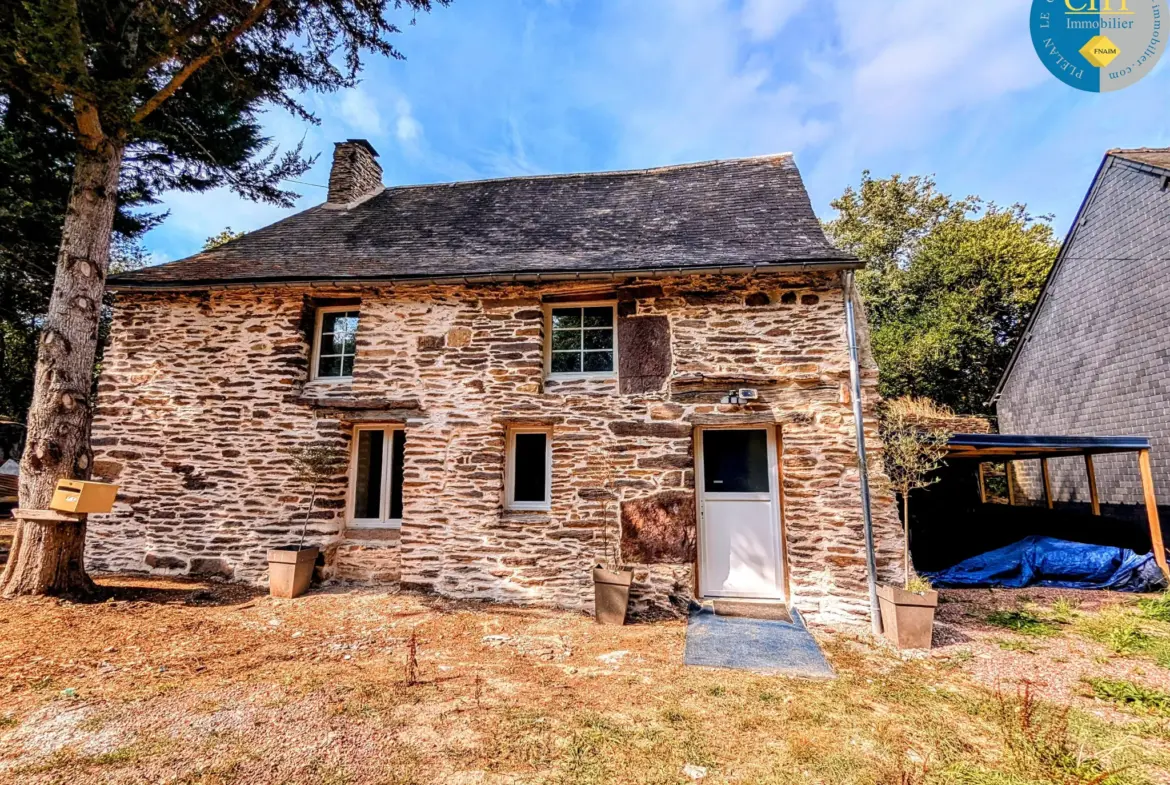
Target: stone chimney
{"type": "Point", "coordinates": [355, 174]}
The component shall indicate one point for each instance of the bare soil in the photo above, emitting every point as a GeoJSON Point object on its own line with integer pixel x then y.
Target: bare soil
{"type": "Point", "coordinates": [171, 681]}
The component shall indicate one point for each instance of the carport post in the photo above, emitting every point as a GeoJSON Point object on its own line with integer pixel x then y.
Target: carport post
{"type": "Point", "coordinates": [1152, 511]}
{"type": "Point", "coordinates": [1094, 500]}
{"type": "Point", "coordinates": [1047, 482]}
{"type": "Point", "coordinates": [1007, 469]}
{"type": "Point", "coordinates": [982, 487]}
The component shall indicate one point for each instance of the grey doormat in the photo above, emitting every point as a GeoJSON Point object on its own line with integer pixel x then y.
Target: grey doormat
{"type": "Point", "coordinates": [773, 648]}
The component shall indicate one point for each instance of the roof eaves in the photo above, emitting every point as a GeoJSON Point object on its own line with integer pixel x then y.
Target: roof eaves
{"type": "Point", "coordinates": [842, 263]}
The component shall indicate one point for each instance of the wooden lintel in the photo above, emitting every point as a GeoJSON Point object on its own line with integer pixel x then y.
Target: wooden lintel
{"type": "Point", "coordinates": [1047, 482]}
{"type": "Point", "coordinates": [57, 516]}
{"type": "Point", "coordinates": [1158, 546]}
{"type": "Point", "coordinates": [1090, 470]}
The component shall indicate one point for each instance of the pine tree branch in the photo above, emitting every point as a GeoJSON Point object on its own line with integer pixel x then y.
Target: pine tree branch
{"type": "Point", "coordinates": [190, 68]}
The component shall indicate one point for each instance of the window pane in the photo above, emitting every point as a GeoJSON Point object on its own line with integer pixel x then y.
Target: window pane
{"type": "Point", "coordinates": [398, 447]}
{"type": "Point", "coordinates": [566, 362]}
{"type": "Point", "coordinates": [329, 366]}
{"type": "Point", "coordinates": [599, 339]}
{"type": "Point", "coordinates": [566, 317]}
{"type": "Point", "coordinates": [598, 362]}
{"type": "Point", "coordinates": [529, 468]}
{"type": "Point", "coordinates": [347, 366]}
{"type": "Point", "coordinates": [599, 317]}
{"type": "Point", "coordinates": [367, 501]}
{"type": "Point", "coordinates": [339, 322]}
{"type": "Point", "coordinates": [566, 339]}
{"type": "Point", "coordinates": [338, 343]}
{"type": "Point", "coordinates": [735, 461]}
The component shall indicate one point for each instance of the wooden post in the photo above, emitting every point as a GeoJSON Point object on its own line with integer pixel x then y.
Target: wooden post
{"type": "Point", "coordinates": [1007, 468]}
{"type": "Point", "coordinates": [1093, 498]}
{"type": "Point", "coordinates": [1152, 511]}
{"type": "Point", "coordinates": [1047, 482]}
{"type": "Point", "coordinates": [982, 487]}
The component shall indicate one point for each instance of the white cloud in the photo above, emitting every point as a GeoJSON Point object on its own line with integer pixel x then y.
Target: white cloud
{"type": "Point", "coordinates": [360, 112]}
{"type": "Point", "coordinates": [406, 127]}
{"type": "Point", "coordinates": [765, 18]}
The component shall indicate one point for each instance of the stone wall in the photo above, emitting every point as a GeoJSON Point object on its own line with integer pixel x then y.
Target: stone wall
{"type": "Point", "coordinates": [202, 392]}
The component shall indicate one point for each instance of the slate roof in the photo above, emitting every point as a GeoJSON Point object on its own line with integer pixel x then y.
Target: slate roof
{"type": "Point", "coordinates": [1151, 156]}
{"type": "Point", "coordinates": [734, 213]}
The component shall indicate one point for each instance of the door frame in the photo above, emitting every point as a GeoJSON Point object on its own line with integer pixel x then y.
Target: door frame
{"type": "Point", "coordinates": [774, 476]}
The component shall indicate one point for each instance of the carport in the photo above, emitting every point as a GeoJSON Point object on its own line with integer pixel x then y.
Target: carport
{"type": "Point", "coordinates": [984, 448]}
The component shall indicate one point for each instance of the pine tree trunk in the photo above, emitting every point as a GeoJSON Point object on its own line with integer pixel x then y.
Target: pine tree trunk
{"type": "Point", "coordinates": [47, 557]}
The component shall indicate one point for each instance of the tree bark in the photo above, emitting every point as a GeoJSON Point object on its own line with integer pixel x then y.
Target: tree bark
{"type": "Point", "coordinates": [47, 557]}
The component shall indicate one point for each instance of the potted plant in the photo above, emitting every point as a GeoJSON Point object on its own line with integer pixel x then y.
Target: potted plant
{"type": "Point", "coordinates": [611, 583]}
{"type": "Point", "coordinates": [290, 570]}
{"type": "Point", "coordinates": [914, 440]}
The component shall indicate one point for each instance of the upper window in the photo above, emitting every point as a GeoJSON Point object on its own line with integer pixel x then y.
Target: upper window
{"type": "Point", "coordinates": [336, 342]}
{"type": "Point", "coordinates": [528, 477]}
{"type": "Point", "coordinates": [581, 340]}
{"type": "Point", "coordinates": [376, 476]}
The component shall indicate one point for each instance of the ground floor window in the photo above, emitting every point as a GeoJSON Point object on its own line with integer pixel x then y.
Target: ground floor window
{"type": "Point", "coordinates": [376, 476]}
{"type": "Point", "coordinates": [528, 479]}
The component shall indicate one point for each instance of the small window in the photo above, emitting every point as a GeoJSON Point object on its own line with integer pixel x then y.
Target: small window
{"type": "Point", "coordinates": [528, 477]}
{"type": "Point", "coordinates": [581, 340]}
{"type": "Point", "coordinates": [376, 476]}
{"type": "Point", "coordinates": [335, 343]}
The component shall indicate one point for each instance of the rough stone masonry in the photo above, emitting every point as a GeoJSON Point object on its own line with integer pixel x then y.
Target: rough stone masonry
{"type": "Point", "coordinates": [203, 392]}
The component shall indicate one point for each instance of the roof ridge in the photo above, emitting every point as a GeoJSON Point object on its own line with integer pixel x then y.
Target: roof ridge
{"type": "Point", "coordinates": [604, 173]}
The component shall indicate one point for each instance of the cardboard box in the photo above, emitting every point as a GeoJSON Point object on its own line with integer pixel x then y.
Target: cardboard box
{"type": "Point", "coordinates": [83, 496]}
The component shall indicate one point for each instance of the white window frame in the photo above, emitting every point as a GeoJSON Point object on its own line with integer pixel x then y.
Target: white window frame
{"type": "Point", "coordinates": [548, 331]}
{"type": "Point", "coordinates": [315, 362]}
{"type": "Point", "coordinates": [510, 502]}
{"type": "Point", "coordinates": [384, 521]}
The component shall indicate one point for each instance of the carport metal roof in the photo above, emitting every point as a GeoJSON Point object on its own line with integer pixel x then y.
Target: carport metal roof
{"type": "Point", "coordinates": [1006, 446]}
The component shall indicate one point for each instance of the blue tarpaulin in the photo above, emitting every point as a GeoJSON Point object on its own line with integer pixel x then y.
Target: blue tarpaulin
{"type": "Point", "coordinates": [1047, 561]}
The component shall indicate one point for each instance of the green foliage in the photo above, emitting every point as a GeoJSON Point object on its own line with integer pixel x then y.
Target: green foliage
{"type": "Point", "coordinates": [36, 167]}
{"type": "Point", "coordinates": [176, 89]}
{"type": "Point", "coordinates": [1157, 608]}
{"type": "Point", "coordinates": [1023, 622]}
{"type": "Point", "coordinates": [948, 287]}
{"type": "Point", "coordinates": [918, 585]}
{"type": "Point", "coordinates": [315, 464]}
{"type": "Point", "coordinates": [1132, 696]}
{"type": "Point", "coordinates": [226, 236]}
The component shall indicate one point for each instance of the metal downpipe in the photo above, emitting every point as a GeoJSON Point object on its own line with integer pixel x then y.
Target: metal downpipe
{"type": "Point", "coordinates": [862, 466]}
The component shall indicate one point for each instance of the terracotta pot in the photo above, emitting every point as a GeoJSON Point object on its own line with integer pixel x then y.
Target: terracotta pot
{"type": "Point", "coordinates": [907, 617]}
{"type": "Point", "coordinates": [290, 571]}
{"type": "Point", "coordinates": [611, 594]}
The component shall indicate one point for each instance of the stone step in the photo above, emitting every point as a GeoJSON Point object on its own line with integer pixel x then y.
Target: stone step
{"type": "Point", "coordinates": [774, 610]}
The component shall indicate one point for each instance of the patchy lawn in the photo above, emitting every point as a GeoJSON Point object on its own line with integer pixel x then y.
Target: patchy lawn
{"type": "Point", "coordinates": [180, 682]}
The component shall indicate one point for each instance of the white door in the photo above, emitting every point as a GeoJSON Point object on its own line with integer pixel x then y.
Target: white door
{"type": "Point", "coordinates": [739, 513]}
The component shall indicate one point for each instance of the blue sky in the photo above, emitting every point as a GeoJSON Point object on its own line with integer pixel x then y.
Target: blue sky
{"type": "Point", "coordinates": [496, 88]}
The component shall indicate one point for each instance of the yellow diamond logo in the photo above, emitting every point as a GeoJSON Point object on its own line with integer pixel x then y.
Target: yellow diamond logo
{"type": "Point", "coordinates": [1100, 51]}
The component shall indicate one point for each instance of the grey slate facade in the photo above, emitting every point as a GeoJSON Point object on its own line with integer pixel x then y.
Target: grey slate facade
{"type": "Point", "coordinates": [1095, 359]}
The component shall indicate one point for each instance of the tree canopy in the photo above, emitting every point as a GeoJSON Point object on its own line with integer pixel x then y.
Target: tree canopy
{"type": "Point", "coordinates": [949, 284]}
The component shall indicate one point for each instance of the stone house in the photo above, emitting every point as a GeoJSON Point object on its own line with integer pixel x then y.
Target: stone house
{"type": "Point", "coordinates": [525, 374]}
{"type": "Point", "coordinates": [1094, 359]}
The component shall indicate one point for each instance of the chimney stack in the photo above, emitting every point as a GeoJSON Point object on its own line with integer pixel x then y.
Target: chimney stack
{"type": "Point", "coordinates": [355, 174]}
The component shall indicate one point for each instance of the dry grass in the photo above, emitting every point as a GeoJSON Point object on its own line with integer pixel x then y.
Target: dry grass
{"type": "Point", "coordinates": [163, 685]}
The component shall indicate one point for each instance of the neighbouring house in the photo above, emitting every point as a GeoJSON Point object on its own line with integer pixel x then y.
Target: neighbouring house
{"type": "Point", "coordinates": [1095, 357]}
{"type": "Point", "coordinates": [524, 372]}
